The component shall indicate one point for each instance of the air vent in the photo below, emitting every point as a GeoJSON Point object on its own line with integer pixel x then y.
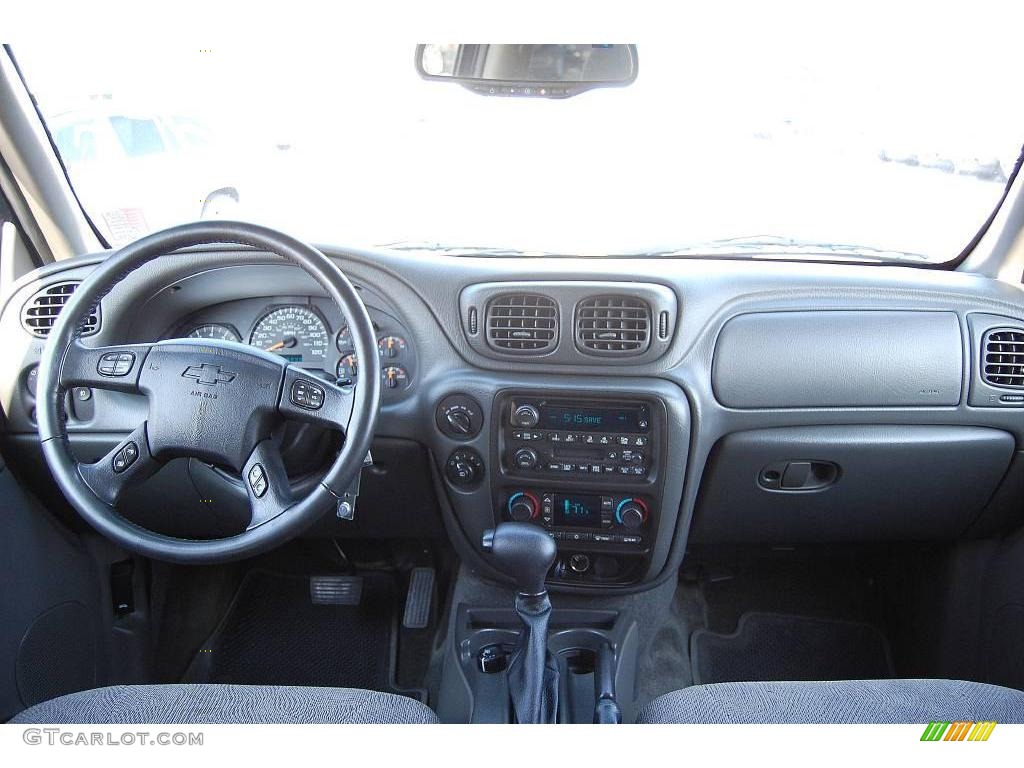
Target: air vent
{"type": "Point", "coordinates": [613, 325]}
{"type": "Point", "coordinates": [522, 322]}
{"type": "Point", "coordinates": [1004, 357]}
{"type": "Point", "coordinates": [40, 313]}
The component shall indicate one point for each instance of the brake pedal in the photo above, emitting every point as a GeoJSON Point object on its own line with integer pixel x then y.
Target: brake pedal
{"type": "Point", "coordinates": [419, 598]}
{"type": "Point", "coordinates": [336, 590]}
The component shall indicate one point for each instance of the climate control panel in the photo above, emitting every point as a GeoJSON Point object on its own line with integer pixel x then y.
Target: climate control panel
{"type": "Point", "coordinates": [582, 518]}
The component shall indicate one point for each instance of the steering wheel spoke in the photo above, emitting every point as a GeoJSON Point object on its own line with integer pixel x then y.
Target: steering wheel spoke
{"type": "Point", "coordinates": [266, 482]}
{"type": "Point", "coordinates": [128, 463]}
{"type": "Point", "coordinates": [115, 368]}
{"type": "Point", "coordinates": [311, 399]}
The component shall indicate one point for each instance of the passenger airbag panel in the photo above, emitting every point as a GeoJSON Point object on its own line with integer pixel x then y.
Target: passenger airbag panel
{"type": "Point", "coordinates": [839, 359]}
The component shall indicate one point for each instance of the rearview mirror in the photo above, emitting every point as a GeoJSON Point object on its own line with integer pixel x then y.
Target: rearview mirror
{"type": "Point", "coordinates": [542, 71]}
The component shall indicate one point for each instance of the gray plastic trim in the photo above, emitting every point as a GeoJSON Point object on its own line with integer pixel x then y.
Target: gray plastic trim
{"type": "Point", "coordinates": [895, 483]}
{"type": "Point", "coordinates": [839, 359]}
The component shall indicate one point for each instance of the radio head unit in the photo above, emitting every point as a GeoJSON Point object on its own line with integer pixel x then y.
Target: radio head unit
{"type": "Point", "coordinates": [613, 420]}
{"type": "Point", "coordinates": [578, 439]}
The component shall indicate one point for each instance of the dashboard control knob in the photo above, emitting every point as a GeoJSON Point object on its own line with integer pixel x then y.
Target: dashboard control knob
{"type": "Point", "coordinates": [523, 507]}
{"type": "Point", "coordinates": [631, 513]}
{"type": "Point", "coordinates": [459, 422]}
{"type": "Point", "coordinates": [526, 458]}
{"type": "Point", "coordinates": [525, 416]}
{"type": "Point", "coordinates": [459, 417]}
{"type": "Point", "coordinates": [464, 468]}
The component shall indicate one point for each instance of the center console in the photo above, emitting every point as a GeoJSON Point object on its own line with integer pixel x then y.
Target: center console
{"type": "Point", "coordinates": [587, 470]}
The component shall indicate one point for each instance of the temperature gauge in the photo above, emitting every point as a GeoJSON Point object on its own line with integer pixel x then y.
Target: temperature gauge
{"type": "Point", "coordinates": [391, 346]}
{"type": "Point", "coordinates": [344, 339]}
{"type": "Point", "coordinates": [395, 377]}
{"type": "Point", "coordinates": [348, 369]}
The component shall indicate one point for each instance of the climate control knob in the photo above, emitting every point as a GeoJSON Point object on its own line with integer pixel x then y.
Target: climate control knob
{"type": "Point", "coordinates": [526, 458]}
{"type": "Point", "coordinates": [523, 507]}
{"type": "Point", "coordinates": [631, 513]}
{"type": "Point", "coordinates": [525, 416]}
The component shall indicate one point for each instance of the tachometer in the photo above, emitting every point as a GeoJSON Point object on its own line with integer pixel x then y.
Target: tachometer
{"type": "Point", "coordinates": [296, 333]}
{"type": "Point", "coordinates": [214, 331]}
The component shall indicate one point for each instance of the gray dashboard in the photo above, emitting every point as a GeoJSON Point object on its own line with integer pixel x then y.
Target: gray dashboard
{"type": "Point", "coordinates": [808, 358]}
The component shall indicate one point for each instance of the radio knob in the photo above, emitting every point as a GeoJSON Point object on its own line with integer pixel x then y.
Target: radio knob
{"type": "Point", "coordinates": [526, 416]}
{"type": "Point", "coordinates": [631, 513]}
{"type": "Point", "coordinates": [526, 458]}
{"type": "Point", "coordinates": [523, 507]}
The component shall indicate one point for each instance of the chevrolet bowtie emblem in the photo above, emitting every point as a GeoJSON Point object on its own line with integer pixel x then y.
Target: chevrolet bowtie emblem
{"type": "Point", "coordinates": [209, 375]}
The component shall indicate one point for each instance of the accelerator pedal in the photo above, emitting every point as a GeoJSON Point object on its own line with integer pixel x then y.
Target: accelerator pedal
{"type": "Point", "coordinates": [419, 599]}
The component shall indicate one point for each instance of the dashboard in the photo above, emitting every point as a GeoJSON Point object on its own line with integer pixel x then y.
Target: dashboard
{"type": "Point", "coordinates": [632, 408]}
{"type": "Point", "coordinates": [309, 332]}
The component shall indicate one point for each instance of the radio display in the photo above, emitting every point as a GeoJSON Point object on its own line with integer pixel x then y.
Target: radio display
{"type": "Point", "coordinates": [579, 419]}
{"type": "Point", "coordinates": [577, 510]}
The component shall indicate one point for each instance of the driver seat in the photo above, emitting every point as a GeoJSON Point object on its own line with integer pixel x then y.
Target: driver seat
{"type": "Point", "coordinates": [230, 704]}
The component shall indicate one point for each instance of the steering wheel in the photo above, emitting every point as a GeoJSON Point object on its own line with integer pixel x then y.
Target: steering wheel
{"type": "Point", "coordinates": [217, 401]}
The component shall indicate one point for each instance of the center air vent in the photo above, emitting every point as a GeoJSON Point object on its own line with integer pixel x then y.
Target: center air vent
{"type": "Point", "coordinates": [613, 325]}
{"type": "Point", "coordinates": [522, 322]}
{"type": "Point", "coordinates": [40, 312]}
{"type": "Point", "coordinates": [1003, 351]}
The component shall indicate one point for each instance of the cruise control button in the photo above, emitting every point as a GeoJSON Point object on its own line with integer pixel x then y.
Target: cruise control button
{"type": "Point", "coordinates": [125, 457]}
{"type": "Point", "coordinates": [115, 363]}
{"type": "Point", "coordinates": [257, 480]}
{"type": "Point", "coordinates": [306, 394]}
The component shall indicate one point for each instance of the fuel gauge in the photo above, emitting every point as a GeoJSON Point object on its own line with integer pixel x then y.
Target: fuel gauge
{"type": "Point", "coordinates": [348, 369]}
{"type": "Point", "coordinates": [391, 346]}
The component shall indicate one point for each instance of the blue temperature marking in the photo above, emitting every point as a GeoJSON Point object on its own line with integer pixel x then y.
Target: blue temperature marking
{"type": "Point", "coordinates": [618, 510]}
{"type": "Point", "coordinates": [512, 499]}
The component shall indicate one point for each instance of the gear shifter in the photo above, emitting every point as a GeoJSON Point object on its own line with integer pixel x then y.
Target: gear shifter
{"type": "Point", "coordinates": [525, 552]}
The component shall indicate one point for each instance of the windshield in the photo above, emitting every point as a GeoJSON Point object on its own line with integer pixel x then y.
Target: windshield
{"type": "Point", "coordinates": [891, 140]}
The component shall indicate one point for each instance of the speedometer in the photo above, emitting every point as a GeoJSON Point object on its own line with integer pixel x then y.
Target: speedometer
{"type": "Point", "coordinates": [296, 333]}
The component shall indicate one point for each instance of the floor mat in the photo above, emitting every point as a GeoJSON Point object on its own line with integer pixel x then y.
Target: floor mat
{"type": "Point", "coordinates": [275, 635]}
{"type": "Point", "coordinates": [772, 646]}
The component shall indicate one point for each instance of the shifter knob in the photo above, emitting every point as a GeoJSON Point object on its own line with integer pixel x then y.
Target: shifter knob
{"type": "Point", "coordinates": [523, 552]}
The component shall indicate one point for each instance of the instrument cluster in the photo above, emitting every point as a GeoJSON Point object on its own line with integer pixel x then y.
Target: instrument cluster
{"type": "Point", "coordinates": [311, 334]}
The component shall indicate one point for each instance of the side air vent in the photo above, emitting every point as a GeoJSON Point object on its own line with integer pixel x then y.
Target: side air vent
{"type": "Point", "coordinates": [40, 312]}
{"type": "Point", "coordinates": [523, 323]}
{"type": "Point", "coordinates": [613, 325]}
{"type": "Point", "coordinates": [1003, 351]}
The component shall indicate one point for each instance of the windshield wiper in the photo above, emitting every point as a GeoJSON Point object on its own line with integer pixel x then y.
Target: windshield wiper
{"type": "Point", "coordinates": [775, 246]}
{"type": "Point", "coordinates": [460, 250]}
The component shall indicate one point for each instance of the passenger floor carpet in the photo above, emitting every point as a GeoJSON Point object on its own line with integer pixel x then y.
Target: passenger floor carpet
{"type": "Point", "coordinates": [273, 634]}
{"type": "Point", "coordinates": [772, 646]}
